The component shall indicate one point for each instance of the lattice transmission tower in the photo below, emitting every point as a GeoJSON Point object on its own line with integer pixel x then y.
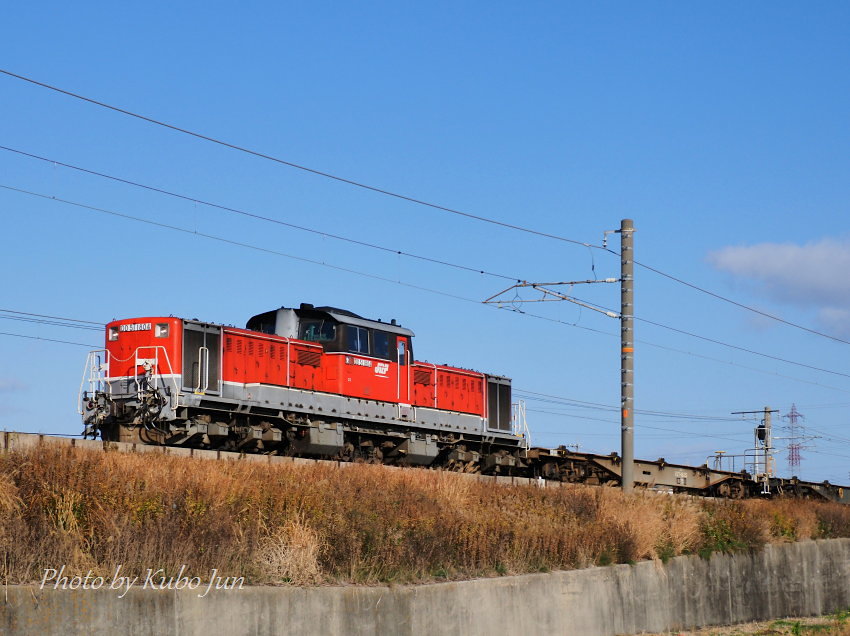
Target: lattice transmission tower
{"type": "Point", "coordinates": [796, 434]}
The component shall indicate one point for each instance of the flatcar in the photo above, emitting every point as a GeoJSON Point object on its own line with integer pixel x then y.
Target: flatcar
{"type": "Point", "coordinates": [308, 381]}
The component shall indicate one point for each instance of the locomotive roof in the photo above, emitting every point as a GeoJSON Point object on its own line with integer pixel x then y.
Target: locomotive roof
{"type": "Point", "coordinates": [350, 318]}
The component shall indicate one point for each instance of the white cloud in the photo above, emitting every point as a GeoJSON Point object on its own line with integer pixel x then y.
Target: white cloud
{"type": "Point", "coordinates": [815, 275]}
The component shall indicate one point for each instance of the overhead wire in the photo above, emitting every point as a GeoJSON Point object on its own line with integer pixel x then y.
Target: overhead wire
{"type": "Point", "coordinates": [724, 344]}
{"type": "Point", "coordinates": [568, 401]}
{"type": "Point", "coordinates": [260, 217]}
{"type": "Point", "coordinates": [25, 313]}
{"type": "Point", "coordinates": [403, 197]}
{"type": "Point", "coordinates": [20, 335]}
{"type": "Point", "coordinates": [297, 166]}
{"type": "Point", "coordinates": [739, 348]}
{"type": "Point", "coordinates": [741, 366]}
{"type": "Point", "coordinates": [742, 305]}
{"type": "Point", "coordinates": [56, 323]}
{"type": "Point", "coordinates": [375, 276]}
{"type": "Point", "coordinates": [638, 425]}
{"type": "Point", "coordinates": [228, 241]}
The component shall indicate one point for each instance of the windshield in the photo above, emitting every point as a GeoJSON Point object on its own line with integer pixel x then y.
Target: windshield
{"type": "Point", "coordinates": [317, 330]}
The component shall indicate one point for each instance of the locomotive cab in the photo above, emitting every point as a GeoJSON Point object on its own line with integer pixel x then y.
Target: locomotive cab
{"type": "Point", "coordinates": [338, 331]}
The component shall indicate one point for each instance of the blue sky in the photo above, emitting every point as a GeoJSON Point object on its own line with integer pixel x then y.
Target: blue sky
{"type": "Point", "coordinates": [721, 129]}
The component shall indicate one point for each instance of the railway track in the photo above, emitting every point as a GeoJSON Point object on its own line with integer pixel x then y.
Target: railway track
{"type": "Point", "coordinates": [565, 468]}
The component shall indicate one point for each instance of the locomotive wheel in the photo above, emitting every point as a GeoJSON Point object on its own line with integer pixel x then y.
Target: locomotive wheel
{"type": "Point", "coordinates": [347, 452]}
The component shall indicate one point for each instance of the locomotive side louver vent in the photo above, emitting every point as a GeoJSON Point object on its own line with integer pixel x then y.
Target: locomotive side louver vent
{"type": "Point", "coordinates": [310, 358]}
{"type": "Point", "coordinates": [422, 376]}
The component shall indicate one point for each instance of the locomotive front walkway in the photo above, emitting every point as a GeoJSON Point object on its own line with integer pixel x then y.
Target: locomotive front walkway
{"type": "Point", "coordinates": [796, 579]}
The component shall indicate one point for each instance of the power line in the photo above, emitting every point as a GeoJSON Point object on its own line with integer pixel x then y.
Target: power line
{"type": "Point", "coordinates": [720, 342]}
{"type": "Point", "coordinates": [741, 366]}
{"type": "Point", "coordinates": [830, 454]}
{"type": "Point", "coordinates": [740, 305]}
{"type": "Point", "coordinates": [260, 217]}
{"type": "Point", "coordinates": [20, 335]}
{"type": "Point", "coordinates": [734, 302]}
{"type": "Point", "coordinates": [410, 199]}
{"type": "Point", "coordinates": [297, 166]}
{"type": "Point", "coordinates": [827, 436]}
{"type": "Point", "coordinates": [25, 313]}
{"type": "Point", "coordinates": [567, 401]}
{"type": "Point", "coordinates": [655, 428]}
{"type": "Point", "coordinates": [55, 323]}
{"type": "Point", "coordinates": [739, 348]}
{"type": "Point", "coordinates": [375, 276]}
{"type": "Point", "coordinates": [230, 241]}
{"type": "Point", "coordinates": [673, 430]}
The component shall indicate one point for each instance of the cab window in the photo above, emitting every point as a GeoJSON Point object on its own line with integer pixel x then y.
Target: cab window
{"type": "Point", "coordinates": [358, 339]}
{"type": "Point", "coordinates": [317, 330]}
{"type": "Point", "coordinates": [381, 344]}
{"type": "Point", "coordinates": [264, 323]}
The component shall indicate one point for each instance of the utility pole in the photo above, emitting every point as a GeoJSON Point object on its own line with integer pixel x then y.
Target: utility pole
{"type": "Point", "coordinates": [627, 343]}
{"type": "Point", "coordinates": [762, 464]}
{"type": "Point", "coordinates": [627, 337]}
{"type": "Point", "coordinates": [766, 437]}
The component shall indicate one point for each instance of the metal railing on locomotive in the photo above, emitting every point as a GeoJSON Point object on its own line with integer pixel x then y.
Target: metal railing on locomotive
{"type": "Point", "coordinates": [519, 424]}
{"type": "Point", "coordinates": [99, 362]}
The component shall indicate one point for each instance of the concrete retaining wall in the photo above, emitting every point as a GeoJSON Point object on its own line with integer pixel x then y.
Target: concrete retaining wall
{"type": "Point", "coordinates": [806, 578]}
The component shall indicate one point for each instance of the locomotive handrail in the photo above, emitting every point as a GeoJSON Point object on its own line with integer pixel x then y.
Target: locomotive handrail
{"type": "Point", "coordinates": [98, 382]}
{"type": "Point", "coordinates": [519, 424]}
{"type": "Point", "coordinates": [171, 373]}
{"type": "Point", "coordinates": [90, 370]}
{"type": "Point", "coordinates": [203, 370]}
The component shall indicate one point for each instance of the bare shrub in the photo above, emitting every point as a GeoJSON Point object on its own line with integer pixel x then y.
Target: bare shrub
{"type": "Point", "coordinates": [291, 554]}
{"type": "Point", "coordinates": [833, 521]}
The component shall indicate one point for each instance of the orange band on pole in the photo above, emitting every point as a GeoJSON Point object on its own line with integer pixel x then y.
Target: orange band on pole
{"type": "Point", "coordinates": [625, 412]}
{"type": "Point", "coordinates": [628, 349]}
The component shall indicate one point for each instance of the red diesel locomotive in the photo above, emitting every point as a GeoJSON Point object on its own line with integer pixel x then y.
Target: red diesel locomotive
{"type": "Point", "coordinates": [326, 383]}
{"type": "Point", "coordinates": [312, 381]}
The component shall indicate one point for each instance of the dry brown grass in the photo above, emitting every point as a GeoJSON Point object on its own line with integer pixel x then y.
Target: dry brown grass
{"type": "Point", "coordinates": [309, 524]}
{"type": "Point", "coordinates": [291, 554]}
